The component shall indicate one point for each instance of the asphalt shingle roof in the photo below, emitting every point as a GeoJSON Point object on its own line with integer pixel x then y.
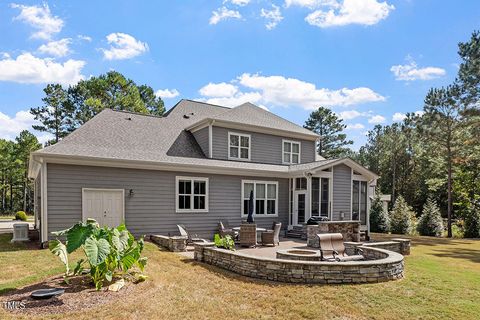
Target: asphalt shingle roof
{"type": "Point", "coordinates": [119, 135]}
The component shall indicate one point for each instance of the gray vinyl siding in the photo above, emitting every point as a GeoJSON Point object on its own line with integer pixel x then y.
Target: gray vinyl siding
{"type": "Point", "coordinates": [151, 210]}
{"type": "Point", "coordinates": [202, 139]}
{"type": "Point", "coordinates": [265, 148]}
{"type": "Point", "coordinates": [342, 192]}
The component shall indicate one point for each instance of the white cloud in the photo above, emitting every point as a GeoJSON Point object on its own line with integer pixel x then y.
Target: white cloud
{"type": "Point", "coordinates": [40, 18]}
{"type": "Point", "coordinates": [23, 120]}
{"type": "Point", "coordinates": [281, 91]}
{"type": "Point", "coordinates": [84, 38]}
{"type": "Point", "coordinates": [350, 114]}
{"type": "Point", "coordinates": [58, 48]}
{"type": "Point", "coordinates": [239, 3]}
{"type": "Point", "coordinates": [167, 93]}
{"type": "Point", "coordinates": [355, 126]}
{"type": "Point", "coordinates": [235, 100]}
{"type": "Point", "coordinates": [398, 116]}
{"type": "Point", "coordinates": [224, 14]}
{"type": "Point", "coordinates": [27, 68]}
{"type": "Point", "coordinates": [376, 119]}
{"type": "Point", "coordinates": [311, 4]}
{"type": "Point", "coordinates": [365, 12]}
{"type": "Point", "coordinates": [273, 16]}
{"type": "Point", "coordinates": [411, 71]}
{"type": "Point", "coordinates": [419, 113]}
{"type": "Point", "coordinates": [221, 89]}
{"type": "Point", "coordinates": [123, 46]}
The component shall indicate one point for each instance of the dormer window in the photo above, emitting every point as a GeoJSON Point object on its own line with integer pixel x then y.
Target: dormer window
{"type": "Point", "coordinates": [291, 152]}
{"type": "Point", "coordinates": [238, 146]}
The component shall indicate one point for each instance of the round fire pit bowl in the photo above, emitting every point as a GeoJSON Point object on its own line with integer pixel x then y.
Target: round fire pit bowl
{"type": "Point", "coordinates": [299, 254]}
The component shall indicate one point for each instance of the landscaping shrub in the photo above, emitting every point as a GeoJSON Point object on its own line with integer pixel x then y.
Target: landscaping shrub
{"type": "Point", "coordinates": [402, 217]}
{"type": "Point", "coordinates": [225, 242]}
{"type": "Point", "coordinates": [430, 222]}
{"type": "Point", "coordinates": [378, 217]}
{"type": "Point", "coordinates": [20, 215]}
{"type": "Point", "coordinates": [109, 252]}
{"type": "Point", "coordinates": [472, 223]}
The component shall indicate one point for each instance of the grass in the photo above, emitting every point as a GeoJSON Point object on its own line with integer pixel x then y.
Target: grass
{"type": "Point", "coordinates": [442, 281]}
{"type": "Point", "coordinates": [11, 217]}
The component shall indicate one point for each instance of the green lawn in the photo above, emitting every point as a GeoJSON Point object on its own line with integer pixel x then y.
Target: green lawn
{"type": "Point", "coordinates": [29, 218]}
{"type": "Point", "coordinates": [442, 281]}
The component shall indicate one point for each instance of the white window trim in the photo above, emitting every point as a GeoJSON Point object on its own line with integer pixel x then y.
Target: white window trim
{"type": "Point", "coordinates": [191, 210]}
{"type": "Point", "coordinates": [231, 133]}
{"type": "Point", "coordinates": [291, 151]}
{"type": "Point", "coordinates": [254, 198]}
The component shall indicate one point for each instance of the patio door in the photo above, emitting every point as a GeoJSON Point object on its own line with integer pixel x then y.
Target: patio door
{"type": "Point", "coordinates": [299, 208]}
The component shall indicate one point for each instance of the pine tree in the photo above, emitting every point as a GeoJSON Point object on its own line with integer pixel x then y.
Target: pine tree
{"type": "Point", "coordinates": [472, 222]}
{"type": "Point", "coordinates": [378, 217]}
{"type": "Point", "coordinates": [430, 222]}
{"type": "Point", "coordinates": [402, 218]}
{"type": "Point", "coordinates": [333, 143]}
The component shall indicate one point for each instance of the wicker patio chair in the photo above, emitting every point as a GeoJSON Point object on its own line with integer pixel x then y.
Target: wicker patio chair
{"type": "Point", "coordinates": [248, 235]}
{"type": "Point", "coordinates": [195, 239]}
{"type": "Point", "coordinates": [272, 237]}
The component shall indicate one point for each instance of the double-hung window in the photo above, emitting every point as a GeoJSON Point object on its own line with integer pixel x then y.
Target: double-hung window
{"type": "Point", "coordinates": [291, 152]}
{"type": "Point", "coordinates": [191, 194]}
{"type": "Point", "coordinates": [239, 146]}
{"type": "Point", "coordinates": [265, 197]}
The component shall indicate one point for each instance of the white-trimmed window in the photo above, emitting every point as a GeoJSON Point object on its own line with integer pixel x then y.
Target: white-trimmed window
{"type": "Point", "coordinates": [191, 194]}
{"type": "Point", "coordinates": [239, 146]}
{"type": "Point", "coordinates": [265, 197]}
{"type": "Point", "coordinates": [291, 152]}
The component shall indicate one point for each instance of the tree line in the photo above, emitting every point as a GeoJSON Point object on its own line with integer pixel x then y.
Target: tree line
{"type": "Point", "coordinates": [433, 155]}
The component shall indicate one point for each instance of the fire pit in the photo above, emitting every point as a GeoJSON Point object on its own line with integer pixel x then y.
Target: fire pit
{"type": "Point", "coordinates": [299, 254]}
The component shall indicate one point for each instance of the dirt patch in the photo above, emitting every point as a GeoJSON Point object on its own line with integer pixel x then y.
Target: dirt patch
{"type": "Point", "coordinates": [79, 294]}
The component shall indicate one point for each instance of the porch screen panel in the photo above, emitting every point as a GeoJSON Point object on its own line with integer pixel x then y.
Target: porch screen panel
{"type": "Point", "coordinates": [355, 200]}
{"type": "Point", "coordinates": [363, 202]}
{"type": "Point", "coordinates": [315, 196]}
{"type": "Point", "coordinates": [325, 202]}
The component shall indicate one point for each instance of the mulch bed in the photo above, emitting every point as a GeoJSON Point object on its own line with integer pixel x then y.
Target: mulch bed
{"type": "Point", "coordinates": [79, 294]}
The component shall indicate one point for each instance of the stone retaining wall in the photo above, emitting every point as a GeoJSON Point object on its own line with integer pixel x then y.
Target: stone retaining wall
{"type": "Point", "coordinates": [349, 229]}
{"type": "Point", "coordinates": [175, 243]}
{"type": "Point", "coordinates": [390, 266]}
{"type": "Point", "coordinates": [401, 246]}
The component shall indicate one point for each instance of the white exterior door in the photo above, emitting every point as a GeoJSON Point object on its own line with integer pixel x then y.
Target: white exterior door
{"type": "Point", "coordinates": [106, 206]}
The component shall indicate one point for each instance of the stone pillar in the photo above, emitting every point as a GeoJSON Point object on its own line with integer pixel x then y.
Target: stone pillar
{"type": "Point", "coordinates": [199, 247]}
{"type": "Point", "coordinates": [404, 246]}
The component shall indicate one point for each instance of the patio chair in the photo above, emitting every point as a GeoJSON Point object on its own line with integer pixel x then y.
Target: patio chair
{"type": "Point", "coordinates": [224, 230]}
{"type": "Point", "coordinates": [272, 237]}
{"type": "Point", "coordinates": [195, 239]}
{"type": "Point", "coordinates": [333, 249]}
{"type": "Point", "coordinates": [248, 235]}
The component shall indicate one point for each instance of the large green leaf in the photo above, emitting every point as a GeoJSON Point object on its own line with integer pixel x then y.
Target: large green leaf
{"type": "Point", "coordinates": [59, 249]}
{"type": "Point", "coordinates": [96, 250]}
{"type": "Point", "coordinates": [77, 235]}
{"type": "Point", "coordinates": [120, 240]}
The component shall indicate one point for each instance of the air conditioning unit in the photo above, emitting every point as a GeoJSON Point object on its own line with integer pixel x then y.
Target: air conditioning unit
{"type": "Point", "coordinates": [20, 232]}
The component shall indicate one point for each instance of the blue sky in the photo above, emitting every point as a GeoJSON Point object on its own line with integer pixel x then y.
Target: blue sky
{"type": "Point", "coordinates": [370, 61]}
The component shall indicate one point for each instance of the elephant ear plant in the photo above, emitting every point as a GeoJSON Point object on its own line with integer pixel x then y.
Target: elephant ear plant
{"type": "Point", "coordinates": [109, 252]}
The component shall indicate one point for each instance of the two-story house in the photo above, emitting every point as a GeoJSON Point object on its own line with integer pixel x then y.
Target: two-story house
{"type": "Point", "coordinates": [195, 166]}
